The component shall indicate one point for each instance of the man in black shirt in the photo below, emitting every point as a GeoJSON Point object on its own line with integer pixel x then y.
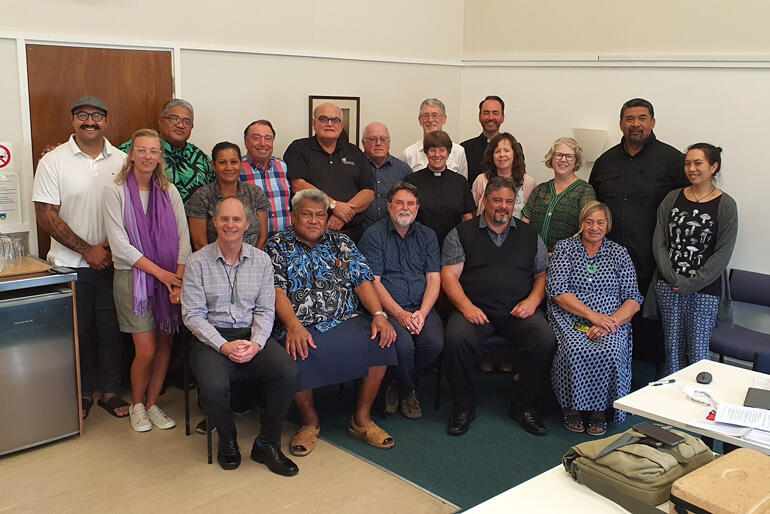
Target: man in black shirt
{"type": "Point", "coordinates": [491, 116]}
{"type": "Point", "coordinates": [632, 178]}
{"type": "Point", "coordinates": [334, 166]}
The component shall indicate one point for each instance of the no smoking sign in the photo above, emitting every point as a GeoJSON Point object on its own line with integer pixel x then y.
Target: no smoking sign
{"type": "Point", "coordinates": [5, 155]}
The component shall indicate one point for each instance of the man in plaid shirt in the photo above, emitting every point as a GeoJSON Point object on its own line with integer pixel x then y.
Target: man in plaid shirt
{"type": "Point", "coordinates": [261, 168]}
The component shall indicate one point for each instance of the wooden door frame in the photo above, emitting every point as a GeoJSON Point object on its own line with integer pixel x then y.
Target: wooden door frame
{"type": "Point", "coordinates": [26, 169]}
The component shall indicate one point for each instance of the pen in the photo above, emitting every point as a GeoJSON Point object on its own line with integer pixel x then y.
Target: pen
{"type": "Point", "coordinates": [662, 382]}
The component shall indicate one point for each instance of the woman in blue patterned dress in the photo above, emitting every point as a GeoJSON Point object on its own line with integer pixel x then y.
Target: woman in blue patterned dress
{"type": "Point", "coordinates": [592, 296]}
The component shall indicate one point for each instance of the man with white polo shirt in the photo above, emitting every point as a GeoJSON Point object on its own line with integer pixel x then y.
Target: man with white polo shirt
{"type": "Point", "coordinates": [433, 117]}
{"type": "Point", "coordinates": [67, 192]}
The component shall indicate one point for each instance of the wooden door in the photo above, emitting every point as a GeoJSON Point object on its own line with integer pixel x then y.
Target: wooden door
{"type": "Point", "coordinates": [133, 84]}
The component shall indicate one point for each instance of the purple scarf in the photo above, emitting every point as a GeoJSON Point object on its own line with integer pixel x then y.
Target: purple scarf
{"type": "Point", "coordinates": [154, 234]}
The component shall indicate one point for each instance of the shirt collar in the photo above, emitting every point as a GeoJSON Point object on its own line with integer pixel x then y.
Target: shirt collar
{"type": "Point", "coordinates": [248, 160]}
{"type": "Point", "coordinates": [391, 227]}
{"type": "Point", "coordinates": [647, 143]}
{"type": "Point", "coordinates": [483, 222]}
{"type": "Point", "coordinates": [388, 162]}
{"type": "Point", "coordinates": [106, 151]}
{"type": "Point", "coordinates": [315, 145]}
{"type": "Point", "coordinates": [167, 148]}
{"type": "Point", "coordinates": [218, 253]}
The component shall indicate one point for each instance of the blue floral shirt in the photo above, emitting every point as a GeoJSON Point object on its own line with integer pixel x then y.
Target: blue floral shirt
{"type": "Point", "coordinates": [319, 281]}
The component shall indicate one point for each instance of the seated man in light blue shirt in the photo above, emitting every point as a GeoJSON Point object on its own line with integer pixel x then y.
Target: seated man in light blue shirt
{"type": "Point", "coordinates": [386, 170]}
{"type": "Point", "coordinates": [228, 303]}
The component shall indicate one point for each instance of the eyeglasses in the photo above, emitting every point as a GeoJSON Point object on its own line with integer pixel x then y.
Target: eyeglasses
{"type": "Point", "coordinates": [325, 119]}
{"type": "Point", "coordinates": [559, 156]}
{"type": "Point", "coordinates": [152, 152]}
{"type": "Point", "coordinates": [175, 120]}
{"type": "Point", "coordinates": [431, 115]}
{"type": "Point", "coordinates": [383, 139]}
{"type": "Point", "coordinates": [83, 116]}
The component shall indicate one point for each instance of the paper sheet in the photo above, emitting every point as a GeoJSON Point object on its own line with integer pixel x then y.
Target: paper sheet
{"type": "Point", "coordinates": [743, 416]}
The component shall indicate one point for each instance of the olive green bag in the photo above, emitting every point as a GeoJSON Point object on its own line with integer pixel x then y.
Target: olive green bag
{"type": "Point", "coordinates": [633, 470]}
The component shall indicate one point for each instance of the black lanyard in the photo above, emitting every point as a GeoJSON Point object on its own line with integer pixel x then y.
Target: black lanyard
{"type": "Point", "coordinates": [233, 283]}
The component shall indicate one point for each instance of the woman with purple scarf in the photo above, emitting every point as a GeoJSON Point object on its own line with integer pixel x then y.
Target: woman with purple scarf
{"type": "Point", "coordinates": [147, 230]}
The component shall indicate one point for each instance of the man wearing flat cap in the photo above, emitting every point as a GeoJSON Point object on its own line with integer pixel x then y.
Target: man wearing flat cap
{"type": "Point", "coordinates": [67, 192]}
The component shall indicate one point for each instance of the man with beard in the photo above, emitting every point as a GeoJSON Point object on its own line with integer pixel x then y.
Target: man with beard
{"type": "Point", "coordinates": [491, 116]}
{"type": "Point", "coordinates": [67, 192]}
{"type": "Point", "coordinates": [632, 178]}
{"type": "Point", "coordinates": [493, 271]}
{"type": "Point", "coordinates": [404, 257]}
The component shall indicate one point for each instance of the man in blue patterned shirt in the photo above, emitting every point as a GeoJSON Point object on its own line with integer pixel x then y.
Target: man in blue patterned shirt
{"type": "Point", "coordinates": [404, 257]}
{"type": "Point", "coordinates": [263, 169]}
{"type": "Point", "coordinates": [320, 276]}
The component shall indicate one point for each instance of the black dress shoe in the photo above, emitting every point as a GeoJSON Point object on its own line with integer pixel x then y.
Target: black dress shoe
{"type": "Point", "coordinates": [460, 422]}
{"type": "Point", "coordinates": [228, 454]}
{"type": "Point", "coordinates": [270, 454]}
{"type": "Point", "coordinates": [529, 420]}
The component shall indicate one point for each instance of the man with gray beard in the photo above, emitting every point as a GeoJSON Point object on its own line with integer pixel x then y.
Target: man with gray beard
{"type": "Point", "coordinates": [404, 257]}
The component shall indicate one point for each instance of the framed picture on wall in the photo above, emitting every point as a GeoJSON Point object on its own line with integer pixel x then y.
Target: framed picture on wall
{"type": "Point", "coordinates": [350, 107]}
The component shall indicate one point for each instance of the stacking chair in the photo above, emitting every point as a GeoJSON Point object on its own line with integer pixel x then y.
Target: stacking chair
{"type": "Point", "coordinates": [740, 342]}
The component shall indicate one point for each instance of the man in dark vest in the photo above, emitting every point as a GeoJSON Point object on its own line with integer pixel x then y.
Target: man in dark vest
{"type": "Point", "coordinates": [493, 272]}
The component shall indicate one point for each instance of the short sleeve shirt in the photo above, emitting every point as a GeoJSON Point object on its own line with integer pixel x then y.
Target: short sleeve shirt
{"type": "Point", "coordinates": [401, 262]}
{"type": "Point", "coordinates": [318, 281]}
{"type": "Point", "coordinates": [203, 202]}
{"type": "Point", "coordinates": [341, 174]}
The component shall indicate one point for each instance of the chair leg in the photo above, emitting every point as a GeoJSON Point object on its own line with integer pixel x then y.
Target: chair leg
{"type": "Point", "coordinates": [439, 372]}
{"type": "Point", "coordinates": [208, 438]}
{"type": "Point", "coordinates": [721, 358]}
{"type": "Point", "coordinates": [185, 375]}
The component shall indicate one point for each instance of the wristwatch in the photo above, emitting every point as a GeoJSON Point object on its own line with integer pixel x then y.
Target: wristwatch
{"type": "Point", "coordinates": [332, 204]}
{"type": "Point", "coordinates": [380, 313]}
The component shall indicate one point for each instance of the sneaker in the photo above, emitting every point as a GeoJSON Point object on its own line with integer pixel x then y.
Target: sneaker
{"type": "Point", "coordinates": [410, 406]}
{"type": "Point", "coordinates": [159, 418]}
{"type": "Point", "coordinates": [139, 420]}
{"type": "Point", "coordinates": [391, 399]}
{"type": "Point", "coordinates": [201, 427]}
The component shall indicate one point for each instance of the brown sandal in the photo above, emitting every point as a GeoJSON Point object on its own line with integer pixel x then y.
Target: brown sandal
{"type": "Point", "coordinates": [573, 422]}
{"type": "Point", "coordinates": [371, 434]}
{"type": "Point", "coordinates": [304, 440]}
{"type": "Point", "coordinates": [597, 424]}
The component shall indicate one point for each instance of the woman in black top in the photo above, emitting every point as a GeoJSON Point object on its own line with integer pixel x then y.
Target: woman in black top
{"type": "Point", "coordinates": [445, 196]}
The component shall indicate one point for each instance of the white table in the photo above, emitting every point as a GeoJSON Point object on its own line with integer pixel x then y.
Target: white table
{"type": "Point", "coordinates": [551, 491]}
{"type": "Point", "coordinates": [668, 404]}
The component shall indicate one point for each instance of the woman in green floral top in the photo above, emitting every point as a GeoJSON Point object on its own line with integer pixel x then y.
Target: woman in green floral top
{"type": "Point", "coordinates": [554, 206]}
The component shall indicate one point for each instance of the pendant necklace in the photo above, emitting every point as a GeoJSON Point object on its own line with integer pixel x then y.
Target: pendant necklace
{"type": "Point", "coordinates": [233, 283]}
{"type": "Point", "coordinates": [699, 200]}
{"type": "Point", "coordinates": [592, 268]}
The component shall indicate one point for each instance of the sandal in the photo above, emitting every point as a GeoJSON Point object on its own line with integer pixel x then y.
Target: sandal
{"type": "Point", "coordinates": [371, 434]}
{"type": "Point", "coordinates": [87, 402]}
{"type": "Point", "coordinates": [597, 424]}
{"type": "Point", "coordinates": [573, 422]}
{"type": "Point", "coordinates": [304, 440]}
{"type": "Point", "coordinates": [112, 404]}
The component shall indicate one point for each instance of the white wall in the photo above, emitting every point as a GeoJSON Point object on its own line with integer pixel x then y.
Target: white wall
{"type": "Point", "coordinates": [399, 29]}
{"type": "Point", "coordinates": [724, 106]}
{"type": "Point", "coordinates": [546, 28]}
{"type": "Point", "coordinates": [229, 90]}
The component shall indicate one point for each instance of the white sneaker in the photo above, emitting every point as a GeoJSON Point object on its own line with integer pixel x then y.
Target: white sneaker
{"type": "Point", "coordinates": [159, 418]}
{"type": "Point", "coordinates": [139, 420]}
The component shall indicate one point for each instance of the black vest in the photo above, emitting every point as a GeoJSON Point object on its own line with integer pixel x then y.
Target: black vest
{"type": "Point", "coordinates": [496, 279]}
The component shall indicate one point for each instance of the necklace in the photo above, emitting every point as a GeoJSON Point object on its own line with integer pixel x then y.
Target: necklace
{"type": "Point", "coordinates": [698, 200]}
{"type": "Point", "coordinates": [592, 268]}
{"type": "Point", "coordinates": [233, 283]}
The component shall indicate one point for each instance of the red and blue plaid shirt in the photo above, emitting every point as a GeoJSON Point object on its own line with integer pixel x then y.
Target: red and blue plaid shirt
{"type": "Point", "coordinates": [274, 183]}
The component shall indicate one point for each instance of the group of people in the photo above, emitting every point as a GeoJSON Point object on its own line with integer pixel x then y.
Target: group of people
{"type": "Point", "coordinates": [334, 264]}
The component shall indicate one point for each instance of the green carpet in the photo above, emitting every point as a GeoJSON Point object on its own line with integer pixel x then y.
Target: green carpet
{"type": "Point", "coordinates": [492, 457]}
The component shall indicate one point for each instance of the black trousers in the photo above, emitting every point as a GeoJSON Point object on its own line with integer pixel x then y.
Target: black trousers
{"type": "Point", "coordinates": [98, 335]}
{"type": "Point", "coordinates": [533, 340]}
{"type": "Point", "coordinates": [280, 380]}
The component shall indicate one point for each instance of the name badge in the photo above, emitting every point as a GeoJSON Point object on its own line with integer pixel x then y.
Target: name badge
{"type": "Point", "coordinates": [346, 161]}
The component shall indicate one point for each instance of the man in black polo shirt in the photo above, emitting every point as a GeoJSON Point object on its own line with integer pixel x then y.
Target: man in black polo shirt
{"type": "Point", "coordinates": [632, 178]}
{"type": "Point", "coordinates": [491, 116]}
{"type": "Point", "coordinates": [493, 271]}
{"type": "Point", "coordinates": [334, 166]}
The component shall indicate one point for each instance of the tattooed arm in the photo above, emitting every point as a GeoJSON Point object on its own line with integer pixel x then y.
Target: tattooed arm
{"type": "Point", "coordinates": [97, 256]}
